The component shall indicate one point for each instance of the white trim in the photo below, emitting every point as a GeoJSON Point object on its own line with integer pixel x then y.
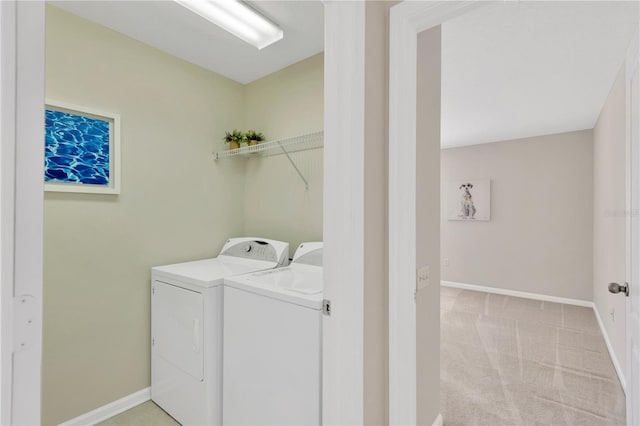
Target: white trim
{"type": "Point", "coordinates": [7, 201]}
{"type": "Point", "coordinates": [632, 224]}
{"type": "Point", "coordinates": [515, 293]}
{"type": "Point", "coordinates": [343, 215]}
{"type": "Point", "coordinates": [407, 19]}
{"type": "Point", "coordinates": [114, 408]}
{"type": "Point", "coordinates": [28, 244]}
{"type": "Point", "coordinates": [555, 299]}
{"type": "Point", "coordinates": [438, 421]}
{"type": "Point", "coordinates": [612, 354]}
{"type": "Point", "coordinates": [114, 155]}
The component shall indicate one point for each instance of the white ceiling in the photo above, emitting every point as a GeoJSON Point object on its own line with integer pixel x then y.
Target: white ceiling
{"type": "Point", "coordinates": [510, 70]}
{"type": "Point", "coordinates": [520, 69]}
{"type": "Point", "coordinates": [170, 27]}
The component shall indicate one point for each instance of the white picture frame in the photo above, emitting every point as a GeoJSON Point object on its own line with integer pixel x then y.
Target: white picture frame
{"type": "Point", "coordinates": [75, 156]}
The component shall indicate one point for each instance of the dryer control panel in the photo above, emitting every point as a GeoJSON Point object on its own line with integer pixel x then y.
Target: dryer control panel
{"type": "Point", "coordinates": [257, 249]}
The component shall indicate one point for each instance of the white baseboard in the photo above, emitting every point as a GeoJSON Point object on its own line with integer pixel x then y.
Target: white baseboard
{"type": "Point", "coordinates": [614, 359]}
{"type": "Point", "coordinates": [113, 408]}
{"type": "Point", "coordinates": [516, 293]}
{"type": "Point", "coordinates": [438, 421]}
{"type": "Point", "coordinates": [544, 297]}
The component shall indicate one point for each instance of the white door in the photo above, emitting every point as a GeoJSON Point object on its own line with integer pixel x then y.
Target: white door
{"type": "Point", "coordinates": [633, 240]}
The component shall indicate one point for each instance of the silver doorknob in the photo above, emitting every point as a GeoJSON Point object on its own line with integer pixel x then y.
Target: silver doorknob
{"type": "Point", "coordinates": [617, 288]}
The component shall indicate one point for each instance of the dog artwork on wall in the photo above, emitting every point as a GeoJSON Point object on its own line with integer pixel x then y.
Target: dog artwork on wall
{"type": "Point", "coordinates": [469, 200]}
{"type": "Point", "coordinates": [467, 209]}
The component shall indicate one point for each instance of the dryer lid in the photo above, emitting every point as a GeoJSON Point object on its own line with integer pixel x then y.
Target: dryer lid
{"type": "Point", "coordinates": [238, 256]}
{"type": "Point", "coordinates": [210, 272]}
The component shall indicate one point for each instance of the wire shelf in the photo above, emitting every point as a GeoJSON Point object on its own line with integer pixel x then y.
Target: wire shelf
{"type": "Point", "coordinates": [283, 146]}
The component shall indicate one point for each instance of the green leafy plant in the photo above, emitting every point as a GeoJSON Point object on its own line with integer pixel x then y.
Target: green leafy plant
{"type": "Point", "coordinates": [233, 136]}
{"type": "Point", "coordinates": [252, 135]}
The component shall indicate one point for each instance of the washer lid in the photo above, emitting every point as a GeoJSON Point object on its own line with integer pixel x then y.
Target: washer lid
{"type": "Point", "coordinates": [210, 272]}
{"type": "Point", "coordinates": [299, 283]}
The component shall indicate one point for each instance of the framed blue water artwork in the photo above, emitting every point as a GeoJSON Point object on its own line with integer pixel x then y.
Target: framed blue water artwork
{"type": "Point", "coordinates": [82, 149]}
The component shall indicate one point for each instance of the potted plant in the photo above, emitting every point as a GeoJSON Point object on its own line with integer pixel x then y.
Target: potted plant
{"type": "Point", "coordinates": [233, 138]}
{"type": "Point", "coordinates": [254, 137]}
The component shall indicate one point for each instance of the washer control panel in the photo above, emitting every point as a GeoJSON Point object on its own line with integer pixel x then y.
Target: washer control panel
{"type": "Point", "coordinates": [309, 254]}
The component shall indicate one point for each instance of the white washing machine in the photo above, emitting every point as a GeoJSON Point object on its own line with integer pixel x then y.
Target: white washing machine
{"type": "Point", "coordinates": [186, 327]}
{"type": "Point", "coordinates": [273, 344]}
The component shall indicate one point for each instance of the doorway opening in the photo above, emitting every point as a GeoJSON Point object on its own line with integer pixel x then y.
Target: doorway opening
{"type": "Point", "coordinates": [406, 118]}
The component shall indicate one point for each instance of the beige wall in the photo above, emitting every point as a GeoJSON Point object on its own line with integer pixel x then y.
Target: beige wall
{"type": "Point", "coordinates": [428, 224]}
{"type": "Point", "coordinates": [539, 239]}
{"type": "Point", "coordinates": [176, 204]}
{"type": "Point", "coordinates": [376, 290]}
{"type": "Point", "coordinates": [284, 104]}
{"type": "Point", "coordinates": [609, 231]}
{"type": "Point", "coordinates": [288, 102]}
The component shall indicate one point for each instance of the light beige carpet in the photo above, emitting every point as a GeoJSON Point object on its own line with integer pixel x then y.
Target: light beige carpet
{"type": "Point", "coordinates": [513, 361]}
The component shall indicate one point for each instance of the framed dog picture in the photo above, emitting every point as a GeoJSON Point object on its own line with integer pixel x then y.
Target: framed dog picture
{"type": "Point", "coordinates": [82, 149]}
{"type": "Point", "coordinates": [469, 200]}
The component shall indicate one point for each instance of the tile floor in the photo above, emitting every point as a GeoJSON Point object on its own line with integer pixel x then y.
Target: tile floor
{"type": "Point", "coordinates": [146, 414]}
{"type": "Point", "coordinates": [506, 361]}
{"type": "Point", "coordinates": [513, 361]}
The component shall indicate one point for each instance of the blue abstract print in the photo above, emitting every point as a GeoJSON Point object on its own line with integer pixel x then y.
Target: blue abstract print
{"type": "Point", "coordinates": [76, 149]}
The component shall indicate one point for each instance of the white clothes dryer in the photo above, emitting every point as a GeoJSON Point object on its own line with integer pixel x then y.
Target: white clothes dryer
{"type": "Point", "coordinates": [186, 327]}
{"type": "Point", "coordinates": [272, 369]}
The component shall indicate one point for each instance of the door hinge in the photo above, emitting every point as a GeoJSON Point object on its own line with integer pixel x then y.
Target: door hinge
{"type": "Point", "coordinates": [326, 307]}
{"type": "Point", "coordinates": [153, 342]}
{"type": "Point", "coordinates": [153, 290]}
{"type": "Point", "coordinates": [25, 315]}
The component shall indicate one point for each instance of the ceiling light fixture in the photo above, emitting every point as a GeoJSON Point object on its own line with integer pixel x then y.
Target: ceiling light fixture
{"type": "Point", "coordinates": [238, 18]}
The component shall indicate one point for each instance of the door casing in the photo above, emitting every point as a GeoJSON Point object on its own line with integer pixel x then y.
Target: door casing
{"type": "Point", "coordinates": [21, 209]}
{"type": "Point", "coordinates": [407, 20]}
{"type": "Point", "coordinates": [632, 379]}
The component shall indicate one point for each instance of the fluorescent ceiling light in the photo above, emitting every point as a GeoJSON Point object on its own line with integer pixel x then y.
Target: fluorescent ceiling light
{"type": "Point", "coordinates": [237, 18]}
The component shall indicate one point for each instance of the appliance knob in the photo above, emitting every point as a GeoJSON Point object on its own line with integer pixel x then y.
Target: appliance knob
{"type": "Point", "coordinates": [247, 248]}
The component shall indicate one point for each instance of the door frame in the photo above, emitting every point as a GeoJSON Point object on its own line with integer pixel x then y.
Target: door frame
{"type": "Point", "coordinates": [407, 20]}
{"type": "Point", "coordinates": [7, 201]}
{"type": "Point", "coordinates": [632, 68]}
{"type": "Point", "coordinates": [344, 213]}
{"type": "Point", "coordinates": [22, 81]}
{"type": "Point", "coordinates": [21, 207]}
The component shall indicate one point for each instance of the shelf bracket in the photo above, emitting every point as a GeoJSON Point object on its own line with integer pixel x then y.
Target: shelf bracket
{"type": "Point", "coordinates": [306, 184]}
